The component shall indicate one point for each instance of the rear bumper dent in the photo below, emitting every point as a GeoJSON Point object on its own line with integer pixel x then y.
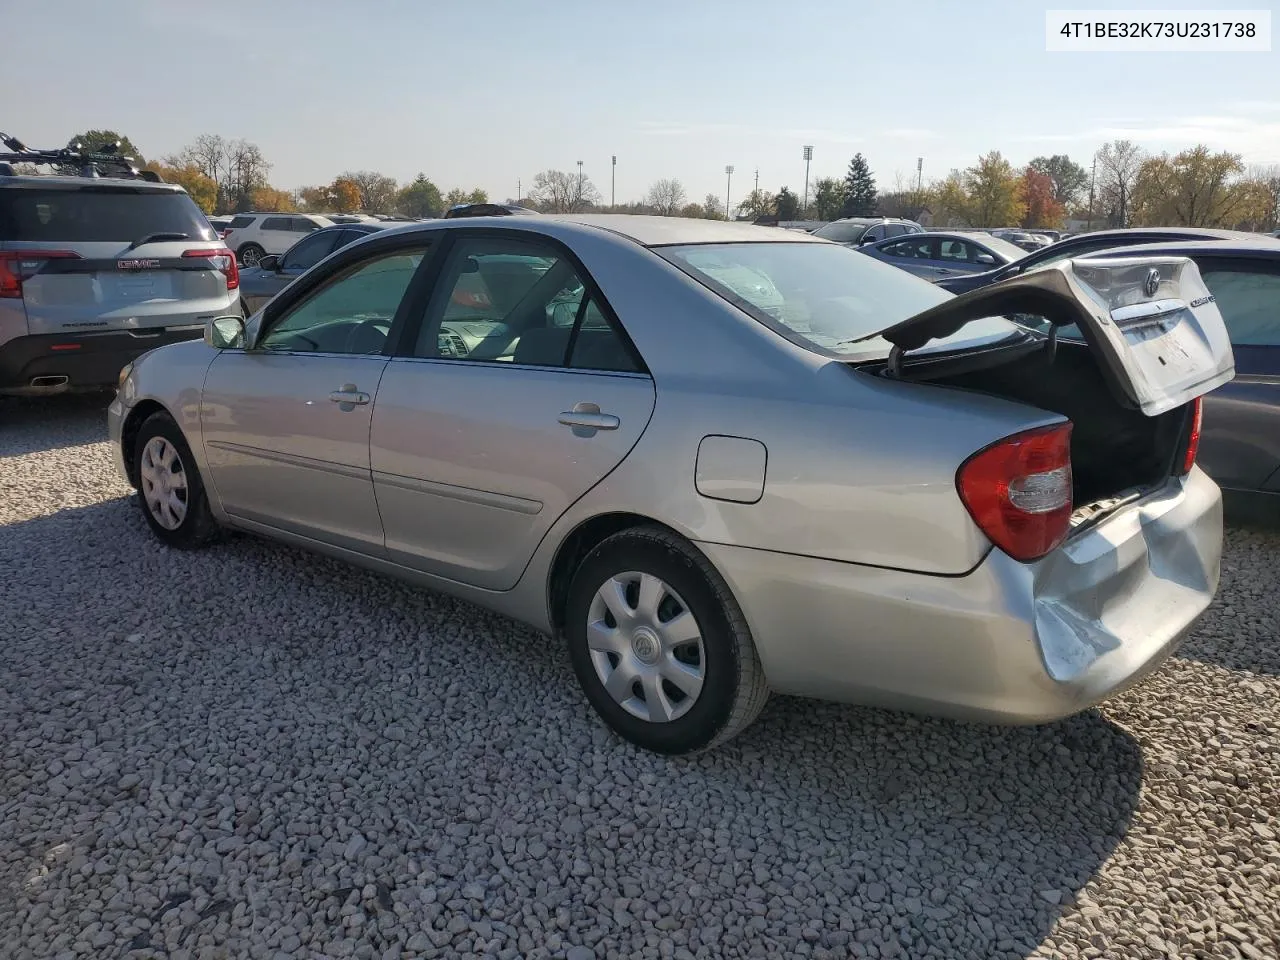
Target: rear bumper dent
{"type": "Point", "coordinates": [1007, 643]}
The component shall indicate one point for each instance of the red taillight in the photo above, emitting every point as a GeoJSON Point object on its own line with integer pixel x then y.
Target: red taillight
{"type": "Point", "coordinates": [1018, 491]}
{"type": "Point", "coordinates": [224, 262]}
{"type": "Point", "coordinates": [1193, 442]}
{"type": "Point", "coordinates": [17, 266]}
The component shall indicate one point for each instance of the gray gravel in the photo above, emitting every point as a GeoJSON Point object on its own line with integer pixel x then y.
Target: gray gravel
{"type": "Point", "coordinates": [253, 752]}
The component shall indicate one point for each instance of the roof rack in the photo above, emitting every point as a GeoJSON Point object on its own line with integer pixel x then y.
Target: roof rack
{"type": "Point", "coordinates": [107, 161]}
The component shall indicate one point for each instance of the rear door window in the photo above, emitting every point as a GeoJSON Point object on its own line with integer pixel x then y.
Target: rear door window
{"type": "Point", "coordinates": [284, 224]}
{"type": "Point", "coordinates": [1248, 298]}
{"type": "Point", "coordinates": [97, 214]}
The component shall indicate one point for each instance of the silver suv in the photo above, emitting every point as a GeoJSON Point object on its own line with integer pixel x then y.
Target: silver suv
{"type": "Point", "coordinates": [856, 231]}
{"type": "Point", "coordinates": [95, 271]}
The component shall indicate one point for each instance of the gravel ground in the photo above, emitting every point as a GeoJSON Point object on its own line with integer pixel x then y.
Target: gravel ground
{"type": "Point", "coordinates": [253, 752]}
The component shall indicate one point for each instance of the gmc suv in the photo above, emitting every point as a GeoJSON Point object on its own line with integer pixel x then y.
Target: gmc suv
{"type": "Point", "coordinates": [95, 271]}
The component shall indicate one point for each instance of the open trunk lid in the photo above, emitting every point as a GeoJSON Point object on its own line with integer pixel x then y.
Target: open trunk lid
{"type": "Point", "coordinates": [1151, 322]}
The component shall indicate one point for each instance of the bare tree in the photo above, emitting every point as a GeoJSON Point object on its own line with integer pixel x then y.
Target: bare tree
{"type": "Point", "coordinates": [237, 167]}
{"type": "Point", "coordinates": [712, 207]}
{"type": "Point", "coordinates": [1119, 164]}
{"type": "Point", "coordinates": [377, 191]}
{"type": "Point", "coordinates": [666, 197]}
{"type": "Point", "coordinates": [558, 192]}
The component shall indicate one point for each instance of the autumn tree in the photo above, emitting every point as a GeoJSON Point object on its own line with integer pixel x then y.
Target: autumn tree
{"type": "Point", "coordinates": [1265, 184]}
{"type": "Point", "coordinates": [421, 199]}
{"type": "Point", "coordinates": [908, 199]}
{"type": "Point", "coordinates": [270, 200]}
{"type": "Point", "coordinates": [666, 197]}
{"type": "Point", "coordinates": [377, 191]}
{"type": "Point", "coordinates": [828, 198]}
{"type": "Point", "coordinates": [316, 199]}
{"type": "Point", "coordinates": [859, 189]}
{"type": "Point", "coordinates": [1195, 188]}
{"type": "Point", "coordinates": [344, 195]}
{"type": "Point", "coordinates": [1042, 206]}
{"type": "Point", "coordinates": [786, 205]}
{"type": "Point", "coordinates": [994, 192]}
{"type": "Point", "coordinates": [951, 204]}
{"type": "Point", "coordinates": [1119, 164]}
{"type": "Point", "coordinates": [1070, 180]}
{"type": "Point", "coordinates": [757, 204]}
{"type": "Point", "coordinates": [201, 189]}
{"type": "Point", "coordinates": [558, 192]}
{"type": "Point", "coordinates": [458, 196]}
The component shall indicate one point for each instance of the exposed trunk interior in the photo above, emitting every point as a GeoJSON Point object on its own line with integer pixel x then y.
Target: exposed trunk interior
{"type": "Point", "coordinates": [1114, 449]}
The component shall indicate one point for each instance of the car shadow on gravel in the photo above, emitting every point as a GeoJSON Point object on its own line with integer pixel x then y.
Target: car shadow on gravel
{"type": "Point", "coordinates": [36, 424]}
{"type": "Point", "coordinates": [939, 837]}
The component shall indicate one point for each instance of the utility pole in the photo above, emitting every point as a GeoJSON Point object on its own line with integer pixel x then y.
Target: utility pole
{"type": "Point", "coordinates": [578, 199]}
{"type": "Point", "coordinates": [757, 179]}
{"type": "Point", "coordinates": [919, 174]}
{"type": "Point", "coordinates": [728, 183]}
{"type": "Point", "coordinates": [808, 155]}
{"type": "Point", "coordinates": [519, 190]}
{"type": "Point", "coordinates": [613, 183]}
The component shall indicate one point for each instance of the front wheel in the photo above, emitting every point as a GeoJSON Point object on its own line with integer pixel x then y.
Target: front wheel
{"type": "Point", "coordinates": [250, 254]}
{"type": "Point", "coordinates": [659, 644]}
{"type": "Point", "coordinates": [170, 490]}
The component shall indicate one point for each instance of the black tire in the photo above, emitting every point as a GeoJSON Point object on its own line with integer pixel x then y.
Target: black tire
{"type": "Point", "coordinates": [734, 689]}
{"type": "Point", "coordinates": [249, 254]}
{"type": "Point", "coordinates": [197, 527]}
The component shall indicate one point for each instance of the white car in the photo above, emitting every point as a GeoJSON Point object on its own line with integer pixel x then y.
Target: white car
{"type": "Point", "coordinates": [254, 235]}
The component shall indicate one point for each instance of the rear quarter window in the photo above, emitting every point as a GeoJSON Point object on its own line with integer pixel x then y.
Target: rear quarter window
{"type": "Point", "coordinates": [98, 214]}
{"type": "Point", "coordinates": [239, 223]}
{"type": "Point", "coordinates": [278, 223]}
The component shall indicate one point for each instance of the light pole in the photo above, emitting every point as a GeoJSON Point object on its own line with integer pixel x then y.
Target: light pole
{"type": "Point", "coordinates": [919, 174]}
{"type": "Point", "coordinates": [519, 190]}
{"type": "Point", "coordinates": [578, 199]}
{"type": "Point", "coordinates": [808, 155]}
{"type": "Point", "coordinates": [613, 183]}
{"type": "Point", "coordinates": [728, 184]}
{"type": "Point", "coordinates": [1093, 179]}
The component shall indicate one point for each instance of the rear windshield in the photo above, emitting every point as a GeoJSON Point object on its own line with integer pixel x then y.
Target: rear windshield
{"type": "Point", "coordinates": [821, 296]}
{"type": "Point", "coordinates": [98, 214]}
{"type": "Point", "coordinates": [842, 232]}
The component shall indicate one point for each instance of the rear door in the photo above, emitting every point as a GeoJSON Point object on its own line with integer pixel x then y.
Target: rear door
{"type": "Point", "coordinates": [113, 257]}
{"type": "Point", "coordinates": [1240, 443]}
{"type": "Point", "coordinates": [519, 394]}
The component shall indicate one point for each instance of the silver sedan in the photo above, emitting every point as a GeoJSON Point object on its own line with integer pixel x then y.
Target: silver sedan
{"type": "Point", "coordinates": [719, 460]}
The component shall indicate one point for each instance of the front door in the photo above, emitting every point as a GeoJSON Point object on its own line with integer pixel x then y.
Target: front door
{"type": "Point", "coordinates": [521, 393]}
{"type": "Point", "coordinates": [286, 423]}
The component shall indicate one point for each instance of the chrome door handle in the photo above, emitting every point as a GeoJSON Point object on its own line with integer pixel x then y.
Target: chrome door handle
{"type": "Point", "coordinates": [586, 419]}
{"type": "Point", "coordinates": [349, 396]}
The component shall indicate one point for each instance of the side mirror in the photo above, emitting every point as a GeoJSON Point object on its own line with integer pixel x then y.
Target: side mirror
{"type": "Point", "coordinates": [225, 333]}
{"type": "Point", "coordinates": [270, 263]}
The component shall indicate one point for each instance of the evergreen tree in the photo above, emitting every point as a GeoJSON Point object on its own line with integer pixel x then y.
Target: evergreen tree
{"type": "Point", "coordinates": [859, 189]}
{"type": "Point", "coordinates": [786, 205]}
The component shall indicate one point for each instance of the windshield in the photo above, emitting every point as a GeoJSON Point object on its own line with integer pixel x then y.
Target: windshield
{"type": "Point", "coordinates": [1004, 248]}
{"type": "Point", "coordinates": [820, 296]}
{"type": "Point", "coordinates": [842, 232]}
{"type": "Point", "coordinates": [95, 214]}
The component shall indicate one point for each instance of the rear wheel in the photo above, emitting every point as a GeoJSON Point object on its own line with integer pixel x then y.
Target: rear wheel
{"type": "Point", "coordinates": [659, 644]}
{"type": "Point", "coordinates": [250, 254]}
{"type": "Point", "coordinates": [169, 486]}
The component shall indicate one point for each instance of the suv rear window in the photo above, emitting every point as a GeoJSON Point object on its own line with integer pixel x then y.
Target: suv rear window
{"type": "Point", "coordinates": [239, 223]}
{"type": "Point", "coordinates": [97, 214]}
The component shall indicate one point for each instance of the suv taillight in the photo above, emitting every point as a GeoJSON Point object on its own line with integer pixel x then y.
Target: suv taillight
{"type": "Point", "coordinates": [223, 260]}
{"type": "Point", "coordinates": [1193, 441]}
{"type": "Point", "coordinates": [1018, 491]}
{"type": "Point", "coordinates": [17, 266]}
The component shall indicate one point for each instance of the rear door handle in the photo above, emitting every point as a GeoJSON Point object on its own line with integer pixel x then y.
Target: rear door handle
{"type": "Point", "coordinates": [586, 419]}
{"type": "Point", "coordinates": [349, 396]}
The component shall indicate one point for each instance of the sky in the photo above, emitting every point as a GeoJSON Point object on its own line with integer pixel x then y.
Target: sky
{"type": "Point", "coordinates": [489, 92]}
